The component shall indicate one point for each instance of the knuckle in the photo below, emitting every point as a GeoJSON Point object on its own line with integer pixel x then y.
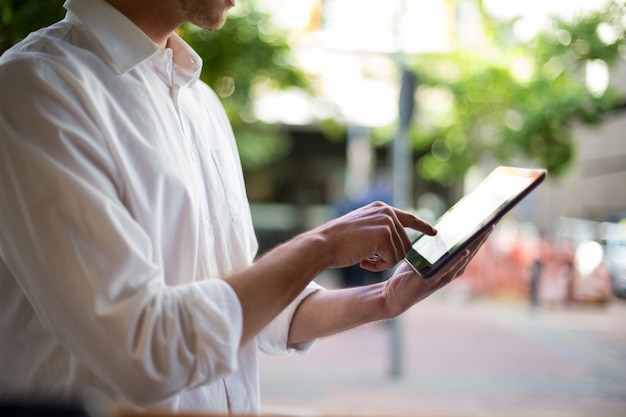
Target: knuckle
{"type": "Point", "coordinates": [382, 208]}
{"type": "Point", "coordinates": [379, 203]}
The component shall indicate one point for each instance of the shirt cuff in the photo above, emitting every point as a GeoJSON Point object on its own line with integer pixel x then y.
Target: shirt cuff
{"type": "Point", "coordinates": [273, 338]}
{"type": "Point", "coordinates": [218, 328]}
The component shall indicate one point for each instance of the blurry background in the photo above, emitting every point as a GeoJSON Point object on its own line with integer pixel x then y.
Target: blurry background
{"type": "Point", "coordinates": [336, 103]}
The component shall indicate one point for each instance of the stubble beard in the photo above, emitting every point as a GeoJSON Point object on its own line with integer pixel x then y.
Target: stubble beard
{"type": "Point", "coordinates": [210, 18]}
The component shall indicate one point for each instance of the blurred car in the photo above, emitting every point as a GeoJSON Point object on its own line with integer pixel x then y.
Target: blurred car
{"type": "Point", "coordinates": [614, 238]}
{"type": "Point", "coordinates": [618, 276]}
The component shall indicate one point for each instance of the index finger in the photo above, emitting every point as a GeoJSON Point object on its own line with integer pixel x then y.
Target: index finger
{"type": "Point", "coordinates": [407, 219]}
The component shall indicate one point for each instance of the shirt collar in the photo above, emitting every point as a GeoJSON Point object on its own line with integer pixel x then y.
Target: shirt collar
{"type": "Point", "coordinates": [187, 63]}
{"type": "Point", "coordinates": [126, 45]}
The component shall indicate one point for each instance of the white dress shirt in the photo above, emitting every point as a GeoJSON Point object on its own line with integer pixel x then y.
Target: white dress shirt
{"type": "Point", "coordinates": [122, 205]}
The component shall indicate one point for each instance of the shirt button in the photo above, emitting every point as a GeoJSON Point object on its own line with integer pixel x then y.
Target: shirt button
{"type": "Point", "coordinates": [206, 225]}
{"type": "Point", "coordinates": [194, 156]}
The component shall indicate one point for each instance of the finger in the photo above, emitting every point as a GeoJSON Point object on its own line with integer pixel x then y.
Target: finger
{"type": "Point", "coordinates": [403, 241]}
{"type": "Point", "coordinates": [400, 240]}
{"type": "Point", "coordinates": [375, 266]}
{"type": "Point", "coordinates": [407, 219]}
{"type": "Point", "coordinates": [396, 241]}
{"type": "Point", "coordinates": [475, 246]}
{"type": "Point", "coordinates": [463, 266]}
{"type": "Point", "coordinates": [457, 264]}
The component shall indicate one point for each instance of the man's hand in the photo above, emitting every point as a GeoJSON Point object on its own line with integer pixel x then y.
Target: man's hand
{"type": "Point", "coordinates": [406, 288]}
{"type": "Point", "coordinates": [324, 313]}
{"type": "Point", "coordinates": [372, 236]}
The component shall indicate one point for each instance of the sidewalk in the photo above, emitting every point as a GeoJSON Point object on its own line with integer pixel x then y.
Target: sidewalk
{"type": "Point", "coordinates": [481, 358]}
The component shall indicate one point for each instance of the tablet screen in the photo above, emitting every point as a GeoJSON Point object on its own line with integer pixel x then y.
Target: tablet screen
{"type": "Point", "coordinates": [495, 195]}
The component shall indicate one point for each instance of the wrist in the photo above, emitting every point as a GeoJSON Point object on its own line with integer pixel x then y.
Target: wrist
{"type": "Point", "coordinates": [317, 246]}
{"type": "Point", "coordinates": [392, 303]}
{"type": "Point", "coordinates": [386, 307]}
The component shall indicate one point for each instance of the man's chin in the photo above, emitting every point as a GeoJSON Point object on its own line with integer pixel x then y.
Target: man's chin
{"type": "Point", "coordinates": [211, 25]}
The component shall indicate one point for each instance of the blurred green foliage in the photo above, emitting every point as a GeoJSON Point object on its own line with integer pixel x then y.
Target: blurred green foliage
{"type": "Point", "coordinates": [248, 54]}
{"type": "Point", "coordinates": [20, 17]}
{"type": "Point", "coordinates": [517, 103]}
{"type": "Point", "coordinates": [246, 57]}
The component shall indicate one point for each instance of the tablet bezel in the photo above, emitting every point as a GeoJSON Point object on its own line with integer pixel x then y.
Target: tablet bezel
{"type": "Point", "coordinates": [426, 269]}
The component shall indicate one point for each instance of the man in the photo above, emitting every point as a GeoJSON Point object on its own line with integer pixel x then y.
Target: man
{"type": "Point", "coordinates": [126, 242]}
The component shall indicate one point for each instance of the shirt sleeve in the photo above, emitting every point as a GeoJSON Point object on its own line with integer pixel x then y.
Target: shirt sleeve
{"type": "Point", "coordinates": [273, 339]}
{"type": "Point", "coordinates": [85, 265]}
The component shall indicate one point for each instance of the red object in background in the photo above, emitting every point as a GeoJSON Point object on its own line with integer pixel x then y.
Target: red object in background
{"type": "Point", "coordinates": [505, 271]}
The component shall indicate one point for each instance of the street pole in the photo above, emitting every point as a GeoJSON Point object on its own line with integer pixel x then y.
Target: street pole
{"type": "Point", "coordinates": [401, 161]}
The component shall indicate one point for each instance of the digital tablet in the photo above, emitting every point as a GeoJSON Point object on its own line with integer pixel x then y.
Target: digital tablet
{"type": "Point", "coordinates": [478, 210]}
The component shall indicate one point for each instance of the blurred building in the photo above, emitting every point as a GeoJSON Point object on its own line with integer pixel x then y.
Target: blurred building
{"type": "Point", "coordinates": [352, 48]}
{"type": "Point", "coordinates": [597, 188]}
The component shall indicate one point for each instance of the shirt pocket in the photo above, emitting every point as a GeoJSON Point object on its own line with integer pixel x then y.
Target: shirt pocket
{"type": "Point", "coordinates": [229, 178]}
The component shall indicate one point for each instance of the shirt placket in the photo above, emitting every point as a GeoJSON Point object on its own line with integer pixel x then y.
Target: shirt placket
{"type": "Point", "coordinates": [188, 141]}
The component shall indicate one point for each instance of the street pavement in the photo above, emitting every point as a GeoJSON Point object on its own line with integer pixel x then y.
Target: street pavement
{"type": "Point", "coordinates": [461, 357]}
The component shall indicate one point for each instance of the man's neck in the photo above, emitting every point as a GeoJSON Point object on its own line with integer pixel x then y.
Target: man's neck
{"type": "Point", "coordinates": [157, 22]}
